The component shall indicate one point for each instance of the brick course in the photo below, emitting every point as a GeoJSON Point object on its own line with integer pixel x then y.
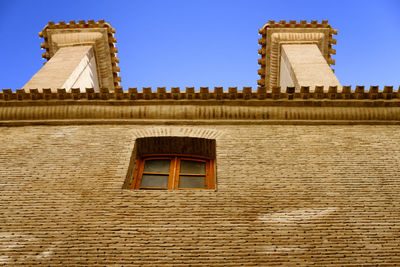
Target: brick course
{"type": "Point", "coordinates": [285, 195]}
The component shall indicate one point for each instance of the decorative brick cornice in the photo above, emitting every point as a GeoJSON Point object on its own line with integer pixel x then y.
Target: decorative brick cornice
{"type": "Point", "coordinates": [346, 106]}
{"type": "Point", "coordinates": [276, 34]}
{"type": "Point", "coordinates": [190, 113]}
{"type": "Point", "coordinates": [98, 34]}
{"type": "Point", "coordinates": [232, 93]}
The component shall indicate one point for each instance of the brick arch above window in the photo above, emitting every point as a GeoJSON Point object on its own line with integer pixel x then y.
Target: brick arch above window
{"type": "Point", "coordinates": [159, 131]}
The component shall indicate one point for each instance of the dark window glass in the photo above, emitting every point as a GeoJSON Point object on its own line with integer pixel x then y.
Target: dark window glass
{"type": "Point", "coordinates": [191, 181]}
{"type": "Point", "coordinates": [157, 165]}
{"type": "Point", "coordinates": [154, 180]}
{"type": "Point", "coordinates": [194, 167]}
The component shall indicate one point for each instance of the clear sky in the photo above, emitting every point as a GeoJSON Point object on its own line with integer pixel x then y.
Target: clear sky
{"type": "Point", "coordinates": [205, 43]}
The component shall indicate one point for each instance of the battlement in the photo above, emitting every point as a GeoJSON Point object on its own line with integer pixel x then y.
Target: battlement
{"type": "Point", "coordinates": [204, 93]}
{"type": "Point", "coordinates": [297, 85]}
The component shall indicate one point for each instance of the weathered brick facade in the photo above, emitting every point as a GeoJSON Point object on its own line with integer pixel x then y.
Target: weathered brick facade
{"type": "Point", "coordinates": [294, 194]}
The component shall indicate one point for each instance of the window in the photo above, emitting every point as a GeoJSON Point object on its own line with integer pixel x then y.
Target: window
{"type": "Point", "coordinates": [174, 172]}
{"type": "Point", "coordinates": [172, 162]}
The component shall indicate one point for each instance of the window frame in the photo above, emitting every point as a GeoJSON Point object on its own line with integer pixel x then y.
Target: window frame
{"type": "Point", "coordinates": [174, 172]}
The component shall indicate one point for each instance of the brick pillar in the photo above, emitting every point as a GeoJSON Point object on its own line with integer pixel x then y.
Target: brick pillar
{"type": "Point", "coordinates": [304, 65]}
{"type": "Point", "coordinates": [70, 67]}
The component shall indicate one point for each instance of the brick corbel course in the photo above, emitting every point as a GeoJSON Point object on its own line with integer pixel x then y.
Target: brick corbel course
{"type": "Point", "coordinates": [333, 106]}
{"type": "Point", "coordinates": [232, 93]}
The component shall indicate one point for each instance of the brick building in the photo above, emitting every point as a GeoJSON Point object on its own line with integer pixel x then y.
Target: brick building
{"type": "Point", "coordinates": [299, 171]}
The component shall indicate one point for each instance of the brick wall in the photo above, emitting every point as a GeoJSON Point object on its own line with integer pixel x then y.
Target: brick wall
{"type": "Point", "coordinates": [285, 195]}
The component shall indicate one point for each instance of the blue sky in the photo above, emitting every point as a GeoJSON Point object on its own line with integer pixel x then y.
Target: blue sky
{"type": "Point", "coordinates": [205, 43]}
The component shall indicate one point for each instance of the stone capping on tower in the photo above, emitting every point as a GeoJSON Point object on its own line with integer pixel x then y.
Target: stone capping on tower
{"type": "Point", "coordinates": [274, 35]}
{"type": "Point", "coordinates": [99, 35]}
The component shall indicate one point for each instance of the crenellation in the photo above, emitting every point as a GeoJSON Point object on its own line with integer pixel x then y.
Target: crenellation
{"type": "Point", "coordinates": [176, 93]}
{"type": "Point", "coordinates": [76, 93]}
{"type": "Point", "coordinates": [261, 93]}
{"type": "Point", "coordinates": [104, 93]}
{"type": "Point", "coordinates": [46, 55]}
{"type": "Point", "coordinates": [119, 93]}
{"type": "Point", "coordinates": [113, 49]}
{"type": "Point", "coordinates": [161, 93]}
{"type": "Point", "coordinates": [247, 93]}
{"type": "Point", "coordinates": [204, 93]}
{"type": "Point", "coordinates": [7, 94]}
{"type": "Point", "coordinates": [190, 94]}
{"type": "Point", "coordinates": [359, 92]}
{"type": "Point", "coordinates": [133, 93]}
{"type": "Point", "coordinates": [331, 61]}
{"type": "Point", "coordinates": [34, 94]}
{"type": "Point", "coordinates": [290, 92]}
{"type": "Point", "coordinates": [373, 92]}
{"type": "Point", "coordinates": [21, 95]}
{"type": "Point", "coordinates": [61, 93]}
{"type": "Point", "coordinates": [346, 92]}
{"type": "Point", "coordinates": [304, 92]}
{"type": "Point", "coordinates": [387, 92]}
{"type": "Point", "coordinates": [147, 93]}
{"type": "Point", "coordinates": [115, 59]}
{"type": "Point", "coordinates": [319, 92]}
{"type": "Point", "coordinates": [388, 89]}
{"type": "Point", "coordinates": [47, 95]}
{"type": "Point", "coordinates": [276, 92]}
{"type": "Point", "coordinates": [89, 93]}
{"type": "Point", "coordinates": [232, 91]}
{"type": "Point", "coordinates": [332, 92]}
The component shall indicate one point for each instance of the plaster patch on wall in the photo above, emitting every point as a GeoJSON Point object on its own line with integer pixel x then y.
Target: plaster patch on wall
{"type": "Point", "coordinates": [64, 131]}
{"type": "Point", "coordinates": [10, 241]}
{"type": "Point", "coordinates": [13, 240]}
{"type": "Point", "coordinates": [4, 259]}
{"type": "Point", "coordinates": [45, 254]}
{"type": "Point", "coordinates": [297, 215]}
{"type": "Point", "coordinates": [275, 249]}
